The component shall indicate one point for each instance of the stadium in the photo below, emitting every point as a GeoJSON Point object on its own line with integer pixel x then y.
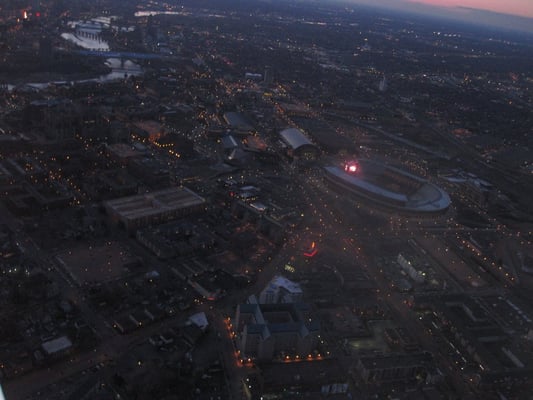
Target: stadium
{"type": "Point", "coordinates": [388, 187]}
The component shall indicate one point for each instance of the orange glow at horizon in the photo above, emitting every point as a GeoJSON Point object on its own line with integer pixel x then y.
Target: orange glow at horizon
{"type": "Point", "coordinates": [523, 8]}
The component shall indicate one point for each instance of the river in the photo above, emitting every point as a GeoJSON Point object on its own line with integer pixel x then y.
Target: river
{"type": "Point", "coordinates": [87, 36]}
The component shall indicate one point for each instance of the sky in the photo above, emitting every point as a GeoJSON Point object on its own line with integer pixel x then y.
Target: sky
{"type": "Point", "coordinates": [523, 8]}
{"type": "Point", "coordinates": [511, 14]}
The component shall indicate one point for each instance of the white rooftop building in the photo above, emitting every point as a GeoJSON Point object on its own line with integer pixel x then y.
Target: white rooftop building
{"type": "Point", "coordinates": [281, 290]}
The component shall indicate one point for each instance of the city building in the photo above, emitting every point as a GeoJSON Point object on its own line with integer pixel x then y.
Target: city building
{"type": "Point", "coordinates": [471, 188]}
{"type": "Point", "coordinates": [409, 266]}
{"type": "Point", "coordinates": [238, 122]}
{"type": "Point", "coordinates": [151, 171]}
{"type": "Point", "coordinates": [281, 290]}
{"type": "Point", "coordinates": [56, 347]}
{"type": "Point", "coordinates": [176, 238]}
{"type": "Point", "coordinates": [325, 379]}
{"type": "Point", "coordinates": [154, 207]}
{"type": "Point", "coordinates": [123, 152]}
{"type": "Point", "coordinates": [266, 331]}
{"type": "Point", "coordinates": [253, 76]}
{"type": "Point", "coordinates": [298, 144]}
{"type": "Point", "coordinates": [481, 332]}
{"type": "Point", "coordinates": [148, 130]}
{"type": "Point", "coordinates": [404, 367]}
{"type": "Point", "coordinates": [268, 76]}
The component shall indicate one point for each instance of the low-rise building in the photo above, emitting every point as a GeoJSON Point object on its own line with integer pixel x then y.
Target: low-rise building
{"type": "Point", "coordinates": [265, 331]}
{"type": "Point", "coordinates": [393, 367]}
{"type": "Point", "coordinates": [154, 207]}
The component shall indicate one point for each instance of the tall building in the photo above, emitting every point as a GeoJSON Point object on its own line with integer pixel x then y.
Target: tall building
{"type": "Point", "coordinates": [267, 331]}
{"type": "Point", "coordinates": [298, 144]}
{"type": "Point", "coordinates": [268, 77]}
{"type": "Point", "coordinates": [383, 84]}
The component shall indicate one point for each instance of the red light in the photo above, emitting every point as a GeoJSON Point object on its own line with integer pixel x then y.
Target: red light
{"type": "Point", "coordinates": [351, 167]}
{"type": "Point", "coordinates": [37, 14]}
{"type": "Point", "coordinates": [311, 251]}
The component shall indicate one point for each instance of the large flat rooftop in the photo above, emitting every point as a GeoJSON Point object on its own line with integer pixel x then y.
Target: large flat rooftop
{"type": "Point", "coordinates": [153, 203]}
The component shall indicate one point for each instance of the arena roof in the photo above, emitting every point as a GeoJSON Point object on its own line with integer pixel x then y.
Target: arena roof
{"type": "Point", "coordinates": [355, 181]}
{"type": "Point", "coordinates": [295, 138]}
{"type": "Point", "coordinates": [427, 198]}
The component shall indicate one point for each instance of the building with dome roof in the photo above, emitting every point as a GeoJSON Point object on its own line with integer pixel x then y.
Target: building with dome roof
{"type": "Point", "coordinates": [298, 144]}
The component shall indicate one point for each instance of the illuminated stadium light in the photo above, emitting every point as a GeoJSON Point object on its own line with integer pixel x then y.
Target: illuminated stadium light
{"type": "Point", "coordinates": [351, 167]}
{"type": "Point", "coordinates": [387, 186]}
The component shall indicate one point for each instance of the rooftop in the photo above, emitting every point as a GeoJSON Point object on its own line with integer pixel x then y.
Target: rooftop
{"type": "Point", "coordinates": [56, 345]}
{"type": "Point", "coordinates": [237, 120]}
{"type": "Point", "coordinates": [281, 282]}
{"type": "Point", "coordinates": [295, 138]}
{"type": "Point", "coordinates": [154, 203]}
{"type": "Point", "coordinates": [371, 181]}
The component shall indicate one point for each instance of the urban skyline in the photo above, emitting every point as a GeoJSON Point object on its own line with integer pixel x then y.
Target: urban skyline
{"type": "Point", "coordinates": [214, 200]}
